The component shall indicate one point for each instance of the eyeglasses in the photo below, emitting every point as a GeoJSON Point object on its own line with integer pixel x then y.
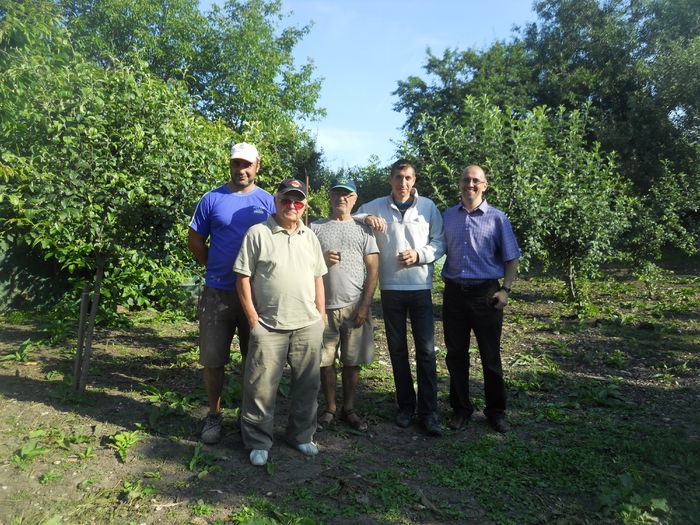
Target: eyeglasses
{"type": "Point", "coordinates": [475, 182]}
{"type": "Point", "coordinates": [297, 205]}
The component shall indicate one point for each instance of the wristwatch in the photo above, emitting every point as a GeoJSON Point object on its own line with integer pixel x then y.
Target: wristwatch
{"type": "Point", "coordinates": [505, 288]}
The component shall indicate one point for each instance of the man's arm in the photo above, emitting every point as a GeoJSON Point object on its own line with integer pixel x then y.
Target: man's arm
{"type": "Point", "coordinates": [320, 299]}
{"type": "Point", "coordinates": [511, 272]}
{"type": "Point", "coordinates": [370, 285]}
{"type": "Point", "coordinates": [436, 239]}
{"type": "Point", "coordinates": [365, 216]}
{"type": "Point", "coordinates": [245, 295]}
{"type": "Point", "coordinates": [196, 242]}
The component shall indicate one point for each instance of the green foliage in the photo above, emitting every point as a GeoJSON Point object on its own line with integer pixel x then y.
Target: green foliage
{"type": "Point", "coordinates": [202, 462]}
{"type": "Point", "coordinates": [21, 354]}
{"type": "Point", "coordinates": [622, 499]}
{"type": "Point", "coordinates": [50, 477]}
{"type": "Point", "coordinates": [237, 62]}
{"type": "Point", "coordinates": [97, 160]}
{"type": "Point", "coordinates": [121, 442]}
{"type": "Point", "coordinates": [27, 453]}
{"type": "Point", "coordinates": [135, 490]}
{"type": "Point", "coordinates": [101, 161]}
{"type": "Point", "coordinates": [567, 203]}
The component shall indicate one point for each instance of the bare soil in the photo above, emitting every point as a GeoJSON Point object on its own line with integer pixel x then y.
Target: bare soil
{"type": "Point", "coordinates": [656, 360]}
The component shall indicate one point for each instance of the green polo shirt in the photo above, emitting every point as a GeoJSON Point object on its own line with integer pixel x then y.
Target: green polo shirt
{"type": "Point", "coordinates": [282, 268]}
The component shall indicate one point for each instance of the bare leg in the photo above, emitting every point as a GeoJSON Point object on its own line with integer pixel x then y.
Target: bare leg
{"type": "Point", "coordinates": [214, 385]}
{"type": "Point", "coordinates": [351, 378]}
{"type": "Point", "coordinates": [328, 386]}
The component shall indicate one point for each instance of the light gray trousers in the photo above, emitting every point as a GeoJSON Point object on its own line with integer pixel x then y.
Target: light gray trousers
{"type": "Point", "coordinates": [268, 351]}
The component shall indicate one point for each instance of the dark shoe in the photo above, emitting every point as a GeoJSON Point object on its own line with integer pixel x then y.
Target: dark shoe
{"type": "Point", "coordinates": [459, 422]}
{"type": "Point", "coordinates": [499, 424]}
{"type": "Point", "coordinates": [431, 425]}
{"type": "Point", "coordinates": [404, 418]}
{"type": "Point", "coordinates": [211, 433]}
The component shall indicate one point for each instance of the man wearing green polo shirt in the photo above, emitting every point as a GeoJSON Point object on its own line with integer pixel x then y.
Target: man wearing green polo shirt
{"type": "Point", "coordinates": [280, 270]}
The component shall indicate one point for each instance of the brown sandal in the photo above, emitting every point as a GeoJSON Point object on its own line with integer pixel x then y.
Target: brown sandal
{"type": "Point", "coordinates": [323, 424]}
{"type": "Point", "coordinates": [356, 423]}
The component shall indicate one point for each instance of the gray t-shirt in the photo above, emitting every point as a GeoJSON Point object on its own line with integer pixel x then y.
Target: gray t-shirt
{"type": "Point", "coordinates": [343, 282]}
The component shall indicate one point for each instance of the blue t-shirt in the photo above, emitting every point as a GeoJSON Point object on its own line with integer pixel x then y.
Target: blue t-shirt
{"type": "Point", "coordinates": [225, 216]}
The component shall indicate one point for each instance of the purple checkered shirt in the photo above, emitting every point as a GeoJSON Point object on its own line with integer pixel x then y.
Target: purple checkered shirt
{"type": "Point", "coordinates": [478, 243]}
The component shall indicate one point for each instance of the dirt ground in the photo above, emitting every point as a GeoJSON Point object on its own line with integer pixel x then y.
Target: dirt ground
{"type": "Point", "coordinates": [168, 478]}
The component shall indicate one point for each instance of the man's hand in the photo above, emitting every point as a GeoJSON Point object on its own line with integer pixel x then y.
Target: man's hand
{"type": "Point", "coordinates": [360, 315]}
{"type": "Point", "coordinates": [500, 299]}
{"type": "Point", "coordinates": [332, 257]}
{"type": "Point", "coordinates": [408, 257]}
{"type": "Point", "coordinates": [376, 223]}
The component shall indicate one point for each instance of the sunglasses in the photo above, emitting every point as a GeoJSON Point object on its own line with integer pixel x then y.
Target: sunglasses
{"type": "Point", "coordinates": [295, 204]}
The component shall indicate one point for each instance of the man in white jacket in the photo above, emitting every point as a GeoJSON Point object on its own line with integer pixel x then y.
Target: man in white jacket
{"type": "Point", "coordinates": [413, 238]}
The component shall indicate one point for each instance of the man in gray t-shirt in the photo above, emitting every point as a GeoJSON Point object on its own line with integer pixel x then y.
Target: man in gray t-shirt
{"type": "Point", "coordinates": [352, 257]}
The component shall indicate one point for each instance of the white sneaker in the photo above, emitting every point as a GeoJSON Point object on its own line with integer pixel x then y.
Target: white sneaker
{"type": "Point", "coordinates": [308, 449]}
{"type": "Point", "coordinates": [258, 457]}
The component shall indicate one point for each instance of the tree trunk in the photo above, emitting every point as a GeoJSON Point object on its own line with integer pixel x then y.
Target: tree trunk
{"type": "Point", "coordinates": [90, 328]}
{"type": "Point", "coordinates": [84, 300]}
{"type": "Point", "coordinates": [571, 281]}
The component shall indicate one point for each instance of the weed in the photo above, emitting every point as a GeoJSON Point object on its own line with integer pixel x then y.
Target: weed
{"type": "Point", "coordinates": [201, 509]}
{"type": "Point", "coordinates": [616, 359]}
{"type": "Point", "coordinates": [168, 399]}
{"type": "Point", "coordinates": [85, 484]}
{"type": "Point", "coordinates": [605, 395]}
{"type": "Point", "coordinates": [123, 441]}
{"type": "Point", "coordinates": [22, 353]}
{"type": "Point", "coordinates": [50, 477]}
{"type": "Point", "coordinates": [135, 490]}
{"type": "Point", "coordinates": [27, 453]}
{"type": "Point", "coordinates": [621, 499]}
{"type": "Point", "coordinates": [202, 462]}
{"type": "Point", "coordinates": [87, 454]}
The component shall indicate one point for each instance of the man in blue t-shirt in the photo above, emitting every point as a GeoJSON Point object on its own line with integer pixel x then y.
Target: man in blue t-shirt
{"type": "Point", "coordinates": [223, 216]}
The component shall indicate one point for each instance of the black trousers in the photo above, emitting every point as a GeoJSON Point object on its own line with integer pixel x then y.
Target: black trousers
{"type": "Point", "coordinates": [397, 306]}
{"type": "Point", "coordinates": [467, 309]}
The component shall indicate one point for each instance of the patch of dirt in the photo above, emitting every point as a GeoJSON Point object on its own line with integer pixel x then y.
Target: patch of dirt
{"type": "Point", "coordinates": [654, 360]}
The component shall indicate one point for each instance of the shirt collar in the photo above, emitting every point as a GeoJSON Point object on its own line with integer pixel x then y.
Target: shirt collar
{"type": "Point", "coordinates": [414, 194]}
{"type": "Point", "coordinates": [276, 228]}
{"type": "Point", "coordinates": [482, 208]}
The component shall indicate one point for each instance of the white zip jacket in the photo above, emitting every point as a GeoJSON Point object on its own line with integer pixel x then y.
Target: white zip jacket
{"type": "Point", "coordinates": [419, 229]}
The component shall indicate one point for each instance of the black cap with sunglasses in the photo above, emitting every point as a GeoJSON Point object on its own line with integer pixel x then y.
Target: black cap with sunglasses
{"type": "Point", "coordinates": [289, 185]}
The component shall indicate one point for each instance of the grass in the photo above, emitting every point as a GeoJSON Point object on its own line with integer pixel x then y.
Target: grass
{"type": "Point", "coordinates": [601, 404]}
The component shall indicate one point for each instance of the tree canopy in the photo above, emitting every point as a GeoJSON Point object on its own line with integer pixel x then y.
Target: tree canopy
{"type": "Point", "coordinates": [103, 157]}
{"type": "Point", "coordinates": [633, 63]}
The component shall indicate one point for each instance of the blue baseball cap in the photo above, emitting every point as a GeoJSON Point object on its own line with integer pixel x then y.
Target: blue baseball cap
{"type": "Point", "coordinates": [344, 182]}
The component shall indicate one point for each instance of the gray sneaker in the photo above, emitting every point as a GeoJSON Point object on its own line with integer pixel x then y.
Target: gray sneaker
{"type": "Point", "coordinates": [211, 433]}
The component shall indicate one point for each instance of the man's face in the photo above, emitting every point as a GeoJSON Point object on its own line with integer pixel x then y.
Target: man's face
{"type": "Point", "coordinates": [402, 182]}
{"type": "Point", "coordinates": [472, 184]}
{"type": "Point", "coordinates": [243, 173]}
{"type": "Point", "coordinates": [342, 201]}
{"type": "Point", "coordinates": [290, 206]}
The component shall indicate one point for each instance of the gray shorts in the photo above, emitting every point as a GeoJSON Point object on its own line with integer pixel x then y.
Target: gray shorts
{"type": "Point", "coordinates": [354, 346]}
{"type": "Point", "coordinates": [220, 316]}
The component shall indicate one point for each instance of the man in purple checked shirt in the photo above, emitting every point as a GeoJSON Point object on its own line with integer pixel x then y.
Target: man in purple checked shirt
{"type": "Point", "coordinates": [481, 249]}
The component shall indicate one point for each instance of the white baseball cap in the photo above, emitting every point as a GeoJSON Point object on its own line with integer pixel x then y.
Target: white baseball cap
{"type": "Point", "coordinates": [245, 151]}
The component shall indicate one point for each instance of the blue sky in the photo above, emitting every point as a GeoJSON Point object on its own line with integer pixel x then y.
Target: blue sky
{"type": "Point", "coordinates": [362, 48]}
